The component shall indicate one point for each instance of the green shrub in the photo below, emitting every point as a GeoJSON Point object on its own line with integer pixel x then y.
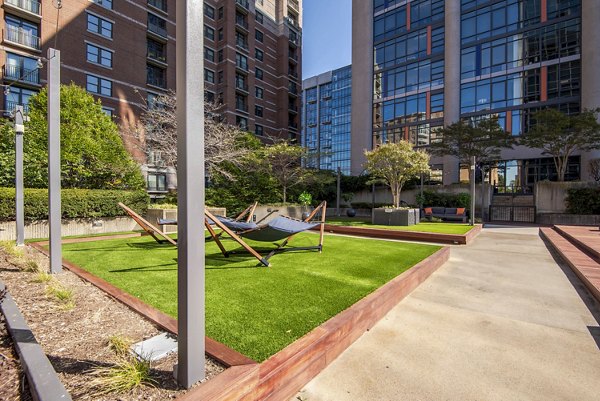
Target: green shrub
{"type": "Point", "coordinates": [583, 201]}
{"type": "Point", "coordinates": [439, 199]}
{"type": "Point", "coordinates": [76, 203]}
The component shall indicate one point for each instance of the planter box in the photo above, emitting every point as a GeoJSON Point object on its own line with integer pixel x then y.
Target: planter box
{"type": "Point", "coordinates": [395, 217]}
{"type": "Point", "coordinates": [153, 215]}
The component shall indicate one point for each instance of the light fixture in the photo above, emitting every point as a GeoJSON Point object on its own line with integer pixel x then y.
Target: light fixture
{"type": "Point", "coordinates": [39, 63]}
{"type": "Point", "coordinates": [6, 91]}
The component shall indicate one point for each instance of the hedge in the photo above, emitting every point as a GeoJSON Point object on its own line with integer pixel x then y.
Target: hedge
{"type": "Point", "coordinates": [440, 199]}
{"type": "Point", "coordinates": [583, 201]}
{"type": "Point", "coordinates": [76, 203]}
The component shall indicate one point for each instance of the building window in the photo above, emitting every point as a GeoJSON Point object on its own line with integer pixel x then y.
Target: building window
{"type": "Point", "coordinates": [259, 17]}
{"type": "Point", "coordinates": [209, 97]}
{"type": "Point", "coordinates": [259, 92]}
{"type": "Point", "coordinates": [241, 61]}
{"type": "Point", "coordinates": [19, 68]}
{"type": "Point", "coordinates": [156, 76]}
{"type": "Point", "coordinates": [99, 86]}
{"type": "Point", "coordinates": [157, 182]}
{"type": "Point", "coordinates": [108, 111]}
{"type": "Point", "coordinates": [160, 4]}
{"type": "Point", "coordinates": [17, 96]}
{"type": "Point", "coordinates": [209, 33]}
{"type": "Point", "coordinates": [220, 76]}
{"type": "Point", "coordinates": [156, 50]}
{"type": "Point", "coordinates": [259, 130]}
{"type": "Point", "coordinates": [221, 12]}
{"type": "Point", "coordinates": [241, 122]}
{"type": "Point", "coordinates": [259, 73]}
{"type": "Point", "coordinates": [220, 33]}
{"type": "Point", "coordinates": [258, 111]}
{"type": "Point", "coordinates": [105, 3]}
{"type": "Point", "coordinates": [209, 11]}
{"type": "Point", "coordinates": [157, 25]}
{"type": "Point", "coordinates": [260, 55]}
{"type": "Point", "coordinates": [259, 36]}
{"type": "Point", "coordinates": [98, 55]}
{"type": "Point", "coordinates": [209, 76]}
{"type": "Point", "coordinates": [209, 54]}
{"type": "Point", "coordinates": [99, 26]}
{"type": "Point", "coordinates": [220, 55]}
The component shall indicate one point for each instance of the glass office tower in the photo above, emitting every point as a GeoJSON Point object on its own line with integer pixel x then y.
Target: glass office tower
{"type": "Point", "coordinates": [326, 118]}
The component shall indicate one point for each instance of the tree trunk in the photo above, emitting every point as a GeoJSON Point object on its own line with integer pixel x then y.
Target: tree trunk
{"type": "Point", "coordinates": [284, 193]}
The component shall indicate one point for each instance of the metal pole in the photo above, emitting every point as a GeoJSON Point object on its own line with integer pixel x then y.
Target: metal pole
{"type": "Point", "coordinates": [19, 198]}
{"type": "Point", "coordinates": [190, 196]}
{"type": "Point", "coordinates": [339, 190]}
{"type": "Point", "coordinates": [54, 201]}
{"type": "Point", "coordinates": [473, 190]}
{"type": "Point", "coordinates": [422, 182]}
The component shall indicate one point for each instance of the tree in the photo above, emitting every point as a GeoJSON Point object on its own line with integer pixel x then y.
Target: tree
{"type": "Point", "coordinates": [93, 155]}
{"type": "Point", "coordinates": [283, 163]}
{"type": "Point", "coordinates": [158, 134]}
{"type": "Point", "coordinates": [559, 135]}
{"type": "Point", "coordinates": [483, 139]}
{"type": "Point", "coordinates": [595, 169]}
{"type": "Point", "coordinates": [396, 163]}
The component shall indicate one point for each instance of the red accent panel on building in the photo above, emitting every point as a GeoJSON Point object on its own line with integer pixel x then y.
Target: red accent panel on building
{"type": "Point", "coordinates": [408, 16]}
{"type": "Point", "coordinates": [428, 40]}
{"type": "Point", "coordinates": [406, 133]}
{"type": "Point", "coordinates": [544, 9]}
{"type": "Point", "coordinates": [509, 121]}
{"type": "Point", "coordinates": [544, 84]}
{"type": "Point", "coordinates": [428, 105]}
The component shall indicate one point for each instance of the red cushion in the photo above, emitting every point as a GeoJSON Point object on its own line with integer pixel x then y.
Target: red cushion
{"type": "Point", "coordinates": [460, 210]}
{"type": "Point", "coordinates": [428, 210]}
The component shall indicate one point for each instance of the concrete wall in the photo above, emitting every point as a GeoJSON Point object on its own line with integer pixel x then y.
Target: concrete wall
{"type": "Point", "coordinates": [550, 196]}
{"type": "Point", "coordinates": [568, 219]}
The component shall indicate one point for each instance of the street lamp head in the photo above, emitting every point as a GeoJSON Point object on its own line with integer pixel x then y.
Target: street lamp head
{"type": "Point", "coordinates": [6, 91]}
{"type": "Point", "coordinates": [39, 63]}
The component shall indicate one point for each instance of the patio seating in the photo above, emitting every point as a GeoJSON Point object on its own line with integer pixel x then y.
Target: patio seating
{"type": "Point", "coordinates": [157, 234]}
{"type": "Point", "coordinates": [445, 213]}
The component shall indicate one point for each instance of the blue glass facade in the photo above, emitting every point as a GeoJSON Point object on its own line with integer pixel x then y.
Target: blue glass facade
{"type": "Point", "coordinates": [326, 119]}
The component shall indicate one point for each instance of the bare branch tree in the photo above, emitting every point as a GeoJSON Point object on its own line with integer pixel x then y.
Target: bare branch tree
{"type": "Point", "coordinates": [158, 135]}
{"type": "Point", "coordinates": [595, 169]}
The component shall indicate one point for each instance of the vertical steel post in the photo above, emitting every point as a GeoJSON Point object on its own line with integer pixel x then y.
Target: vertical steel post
{"type": "Point", "coordinates": [473, 161]}
{"type": "Point", "coordinates": [190, 196]}
{"type": "Point", "coordinates": [19, 198]}
{"type": "Point", "coordinates": [339, 190]}
{"type": "Point", "coordinates": [54, 202]}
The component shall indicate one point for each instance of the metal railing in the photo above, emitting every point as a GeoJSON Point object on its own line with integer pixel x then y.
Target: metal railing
{"type": "Point", "coordinates": [21, 36]}
{"type": "Point", "coordinates": [31, 6]}
{"type": "Point", "coordinates": [155, 28]}
{"type": "Point", "coordinates": [157, 55]}
{"type": "Point", "coordinates": [241, 107]}
{"type": "Point", "coordinates": [243, 3]}
{"type": "Point", "coordinates": [159, 4]}
{"type": "Point", "coordinates": [293, 23]}
{"type": "Point", "coordinates": [17, 73]}
{"type": "Point", "coordinates": [160, 82]}
{"type": "Point", "coordinates": [10, 106]}
{"type": "Point", "coordinates": [513, 214]}
{"type": "Point", "coordinates": [513, 189]}
{"type": "Point", "coordinates": [294, 4]}
{"type": "Point", "coordinates": [241, 86]}
{"type": "Point", "coordinates": [239, 21]}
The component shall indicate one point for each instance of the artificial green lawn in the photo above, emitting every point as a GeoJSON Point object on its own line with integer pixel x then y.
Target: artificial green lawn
{"type": "Point", "coordinates": [256, 311]}
{"type": "Point", "coordinates": [430, 227]}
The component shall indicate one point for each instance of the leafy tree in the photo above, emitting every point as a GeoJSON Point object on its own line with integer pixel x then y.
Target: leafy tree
{"type": "Point", "coordinates": [559, 135]}
{"type": "Point", "coordinates": [395, 164]}
{"type": "Point", "coordinates": [93, 155]}
{"type": "Point", "coordinates": [483, 139]}
{"type": "Point", "coordinates": [282, 161]}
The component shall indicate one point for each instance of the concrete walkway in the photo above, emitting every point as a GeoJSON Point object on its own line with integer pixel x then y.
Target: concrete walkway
{"type": "Point", "coordinates": [500, 321]}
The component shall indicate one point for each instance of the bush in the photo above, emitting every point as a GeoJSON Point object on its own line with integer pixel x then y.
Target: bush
{"type": "Point", "coordinates": [76, 203]}
{"type": "Point", "coordinates": [583, 201]}
{"type": "Point", "coordinates": [439, 199]}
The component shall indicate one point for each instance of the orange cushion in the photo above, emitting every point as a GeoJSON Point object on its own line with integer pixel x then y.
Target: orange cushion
{"type": "Point", "coordinates": [428, 210]}
{"type": "Point", "coordinates": [460, 210]}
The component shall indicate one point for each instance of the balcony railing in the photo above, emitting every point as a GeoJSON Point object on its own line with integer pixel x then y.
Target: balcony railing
{"type": "Point", "coordinates": [159, 4]}
{"type": "Point", "coordinates": [294, 57]}
{"type": "Point", "coordinates": [10, 106]}
{"type": "Point", "coordinates": [31, 6]}
{"type": "Point", "coordinates": [242, 66]}
{"type": "Point", "coordinates": [160, 82]}
{"type": "Point", "coordinates": [241, 107]}
{"type": "Point", "coordinates": [22, 37]}
{"type": "Point", "coordinates": [157, 55]}
{"type": "Point", "coordinates": [245, 4]}
{"type": "Point", "coordinates": [293, 23]}
{"type": "Point", "coordinates": [241, 45]}
{"type": "Point", "coordinates": [294, 4]}
{"type": "Point", "coordinates": [17, 73]}
{"type": "Point", "coordinates": [241, 86]}
{"type": "Point", "coordinates": [241, 22]}
{"type": "Point", "coordinates": [295, 40]}
{"type": "Point", "coordinates": [293, 74]}
{"type": "Point", "coordinates": [293, 108]}
{"type": "Point", "coordinates": [293, 89]}
{"type": "Point", "coordinates": [293, 125]}
{"type": "Point", "coordinates": [159, 30]}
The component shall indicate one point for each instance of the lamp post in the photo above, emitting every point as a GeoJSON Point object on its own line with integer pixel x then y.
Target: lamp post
{"type": "Point", "coordinates": [473, 190]}
{"type": "Point", "coordinates": [54, 201]}
{"type": "Point", "coordinates": [339, 190]}
{"type": "Point", "coordinates": [19, 198]}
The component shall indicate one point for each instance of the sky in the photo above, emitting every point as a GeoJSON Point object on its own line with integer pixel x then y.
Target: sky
{"type": "Point", "coordinates": [327, 36]}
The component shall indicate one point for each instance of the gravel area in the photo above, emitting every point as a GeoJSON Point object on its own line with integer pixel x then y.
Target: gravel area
{"type": "Point", "coordinates": [74, 333]}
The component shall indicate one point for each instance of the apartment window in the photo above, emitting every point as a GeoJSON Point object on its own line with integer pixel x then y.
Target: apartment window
{"type": "Point", "coordinates": [220, 33]}
{"type": "Point", "coordinates": [220, 76]}
{"type": "Point", "coordinates": [157, 25]}
{"type": "Point", "coordinates": [99, 86]}
{"type": "Point", "coordinates": [160, 4]}
{"type": "Point", "coordinates": [209, 97]}
{"type": "Point", "coordinates": [259, 36]}
{"type": "Point", "coordinates": [259, 92]}
{"type": "Point", "coordinates": [220, 55]}
{"type": "Point", "coordinates": [99, 26]}
{"type": "Point", "coordinates": [209, 76]}
{"type": "Point", "coordinates": [258, 111]}
{"type": "Point", "coordinates": [99, 55]}
{"type": "Point", "coordinates": [221, 12]}
{"type": "Point", "coordinates": [209, 11]}
{"type": "Point", "coordinates": [241, 122]}
{"type": "Point", "coordinates": [241, 61]}
{"type": "Point", "coordinates": [259, 73]}
{"type": "Point", "coordinates": [108, 111]}
{"type": "Point", "coordinates": [209, 33]}
{"type": "Point", "coordinates": [19, 68]}
{"type": "Point", "coordinates": [105, 3]}
{"type": "Point", "coordinates": [17, 96]}
{"type": "Point", "coordinates": [156, 50]}
{"type": "Point", "coordinates": [259, 130]}
{"type": "Point", "coordinates": [260, 55]}
{"type": "Point", "coordinates": [156, 76]}
{"type": "Point", "coordinates": [209, 54]}
{"type": "Point", "coordinates": [157, 182]}
{"type": "Point", "coordinates": [259, 17]}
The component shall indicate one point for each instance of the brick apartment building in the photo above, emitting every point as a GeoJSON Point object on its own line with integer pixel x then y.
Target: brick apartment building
{"type": "Point", "coordinates": [123, 52]}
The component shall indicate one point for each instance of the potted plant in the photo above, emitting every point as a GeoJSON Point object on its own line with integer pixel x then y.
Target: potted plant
{"type": "Point", "coordinates": [305, 199]}
{"type": "Point", "coordinates": [395, 164]}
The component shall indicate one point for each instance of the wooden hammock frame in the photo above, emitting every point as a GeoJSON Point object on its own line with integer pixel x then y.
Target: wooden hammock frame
{"type": "Point", "coordinates": [148, 227]}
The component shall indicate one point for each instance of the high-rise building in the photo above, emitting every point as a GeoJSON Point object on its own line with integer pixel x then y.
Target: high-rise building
{"type": "Point", "coordinates": [422, 64]}
{"type": "Point", "coordinates": [123, 52]}
{"type": "Point", "coordinates": [326, 111]}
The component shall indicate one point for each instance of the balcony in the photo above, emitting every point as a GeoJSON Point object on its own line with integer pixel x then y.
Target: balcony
{"type": "Point", "coordinates": [293, 89]}
{"type": "Point", "coordinates": [10, 106]}
{"type": "Point", "coordinates": [156, 55]}
{"type": "Point", "coordinates": [21, 37]}
{"type": "Point", "coordinates": [158, 4]}
{"type": "Point", "coordinates": [241, 22]}
{"type": "Point", "coordinates": [241, 45]}
{"type": "Point", "coordinates": [293, 4]}
{"type": "Point", "coordinates": [17, 73]}
{"type": "Point", "coordinates": [241, 107]}
{"type": "Point", "coordinates": [293, 57]}
{"type": "Point", "coordinates": [159, 82]}
{"type": "Point", "coordinates": [241, 86]}
{"type": "Point", "coordinates": [25, 8]}
{"type": "Point", "coordinates": [292, 108]}
{"type": "Point", "coordinates": [294, 40]}
{"type": "Point", "coordinates": [293, 23]}
{"type": "Point", "coordinates": [157, 30]}
{"type": "Point", "coordinates": [243, 4]}
{"type": "Point", "coordinates": [293, 125]}
{"type": "Point", "coordinates": [241, 66]}
{"type": "Point", "coordinates": [293, 75]}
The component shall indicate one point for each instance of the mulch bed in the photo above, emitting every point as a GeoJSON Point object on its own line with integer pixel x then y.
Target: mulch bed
{"type": "Point", "coordinates": [75, 339]}
{"type": "Point", "coordinates": [13, 385]}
